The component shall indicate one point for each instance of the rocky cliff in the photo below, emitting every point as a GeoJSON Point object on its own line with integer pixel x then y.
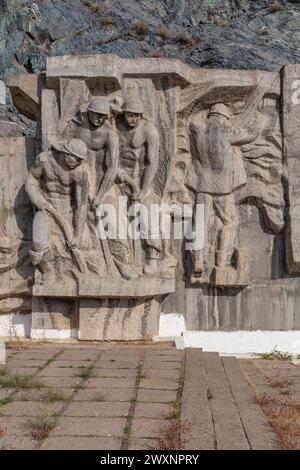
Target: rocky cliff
{"type": "Point", "coordinates": [235, 34]}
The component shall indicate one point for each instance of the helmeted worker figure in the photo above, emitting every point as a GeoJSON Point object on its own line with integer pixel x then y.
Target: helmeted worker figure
{"type": "Point", "coordinates": [138, 164]}
{"type": "Point", "coordinates": [57, 186]}
{"type": "Point", "coordinates": [219, 172]}
{"type": "Point", "coordinates": [101, 138]}
{"type": "Point", "coordinates": [99, 133]}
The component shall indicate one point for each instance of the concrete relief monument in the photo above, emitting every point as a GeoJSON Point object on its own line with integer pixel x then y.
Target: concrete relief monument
{"type": "Point", "coordinates": [129, 151]}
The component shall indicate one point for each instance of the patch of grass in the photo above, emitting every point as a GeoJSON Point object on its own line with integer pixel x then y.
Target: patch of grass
{"type": "Point", "coordinates": [108, 21]}
{"type": "Point", "coordinates": [6, 400]}
{"type": "Point", "coordinates": [184, 39]}
{"type": "Point", "coordinates": [284, 417]}
{"type": "Point", "coordinates": [141, 374]}
{"type": "Point", "coordinates": [3, 370]}
{"type": "Point", "coordinates": [93, 6]}
{"type": "Point", "coordinates": [20, 381]}
{"type": "Point", "coordinates": [281, 382]}
{"type": "Point", "coordinates": [79, 387]}
{"type": "Point", "coordinates": [99, 396]}
{"type": "Point", "coordinates": [127, 430]}
{"type": "Point", "coordinates": [86, 372]}
{"type": "Point", "coordinates": [164, 33]}
{"type": "Point", "coordinates": [16, 344]}
{"type": "Point", "coordinates": [141, 28]}
{"type": "Point", "coordinates": [275, 355]}
{"type": "Point", "coordinates": [174, 436]}
{"type": "Point", "coordinates": [275, 7]}
{"type": "Point", "coordinates": [52, 396]}
{"type": "Point", "coordinates": [42, 424]}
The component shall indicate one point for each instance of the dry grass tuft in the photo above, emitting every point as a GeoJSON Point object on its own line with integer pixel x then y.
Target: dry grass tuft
{"type": "Point", "coordinates": [164, 33]}
{"type": "Point", "coordinates": [275, 7]}
{"type": "Point", "coordinates": [174, 436]}
{"type": "Point", "coordinates": [42, 424]}
{"type": "Point", "coordinates": [284, 417]}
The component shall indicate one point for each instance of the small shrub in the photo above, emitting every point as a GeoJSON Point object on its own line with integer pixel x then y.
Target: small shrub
{"type": "Point", "coordinates": [6, 400]}
{"type": "Point", "coordinates": [93, 7]}
{"type": "Point", "coordinates": [141, 28]}
{"type": "Point", "coordinates": [52, 396]}
{"type": "Point", "coordinates": [20, 381]}
{"type": "Point", "coordinates": [42, 424]}
{"type": "Point", "coordinates": [276, 6]}
{"type": "Point", "coordinates": [3, 370]}
{"type": "Point", "coordinates": [107, 21]}
{"type": "Point", "coordinates": [183, 38]}
{"type": "Point", "coordinates": [281, 382]}
{"type": "Point", "coordinates": [86, 372]}
{"type": "Point", "coordinates": [141, 374]}
{"type": "Point", "coordinates": [174, 436]}
{"type": "Point", "coordinates": [276, 355]}
{"type": "Point", "coordinates": [164, 33]}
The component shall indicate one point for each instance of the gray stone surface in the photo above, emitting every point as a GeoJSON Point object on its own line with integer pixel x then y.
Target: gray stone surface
{"type": "Point", "coordinates": [215, 398]}
{"type": "Point", "coordinates": [95, 112]}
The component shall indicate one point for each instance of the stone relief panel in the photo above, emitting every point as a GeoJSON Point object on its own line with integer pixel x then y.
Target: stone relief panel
{"type": "Point", "coordinates": [149, 132]}
{"type": "Point", "coordinates": [229, 155]}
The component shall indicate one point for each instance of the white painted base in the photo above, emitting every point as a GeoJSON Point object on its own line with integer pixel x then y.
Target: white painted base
{"type": "Point", "coordinates": [243, 342]}
{"type": "Point", "coordinates": [15, 325]}
{"type": "Point", "coordinates": [171, 325]}
{"type": "Point", "coordinates": [54, 334]}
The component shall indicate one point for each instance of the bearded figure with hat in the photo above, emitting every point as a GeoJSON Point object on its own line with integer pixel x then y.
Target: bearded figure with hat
{"type": "Point", "coordinates": [218, 172]}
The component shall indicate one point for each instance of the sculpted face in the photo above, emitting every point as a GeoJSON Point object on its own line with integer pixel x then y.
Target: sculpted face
{"type": "Point", "coordinates": [217, 119]}
{"type": "Point", "coordinates": [132, 119]}
{"type": "Point", "coordinates": [72, 161]}
{"type": "Point", "coordinates": [97, 119]}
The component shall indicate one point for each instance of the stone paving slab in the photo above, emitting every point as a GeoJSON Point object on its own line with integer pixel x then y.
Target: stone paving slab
{"type": "Point", "coordinates": [122, 364]}
{"type": "Point", "coordinates": [142, 444]}
{"type": "Point", "coordinates": [229, 432]}
{"type": "Point", "coordinates": [111, 383]}
{"type": "Point", "coordinates": [81, 443]}
{"type": "Point", "coordinates": [132, 397]}
{"type": "Point", "coordinates": [28, 408]}
{"type": "Point", "coordinates": [106, 394]}
{"type": "Point", "coordinates": [256, 426]}
{"type": "Point", "coordinates": [147, 427]}
{"type": "Point", "coordinates": [61, 382]}
{"type": "Point", "coordinates": [159, 384]}
{"type": "Point", "coordinates": [98, 409]}
{"type": "Point", "coordinates": [161, 374]}
{"type": "Point", "coordinates": [110, 427]}
{"type": "Point", "coordinates": [153, 410]}
{"type": "Point", "coordinates": [196, 408]}
{"type": "Point", "coordinates": [157, 396]}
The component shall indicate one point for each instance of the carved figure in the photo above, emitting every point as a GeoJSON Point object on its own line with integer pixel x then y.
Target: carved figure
{"type": "Point", "coordinates": [138, 164]}
{"type": "Point", "coordinates": [219, 171]}
{"type": "Point", "coordinates": [57, 186]}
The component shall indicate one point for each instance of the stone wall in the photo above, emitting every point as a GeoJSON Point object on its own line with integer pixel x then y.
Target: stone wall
{"type": "Point", "coordinates": [156, 132]}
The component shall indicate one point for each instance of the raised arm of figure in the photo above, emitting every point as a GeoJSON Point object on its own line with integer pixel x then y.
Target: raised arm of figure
{"type": "Point", "coordinates": [112, 157]}
{"type": "Point", "coordinates": [152, 143]}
